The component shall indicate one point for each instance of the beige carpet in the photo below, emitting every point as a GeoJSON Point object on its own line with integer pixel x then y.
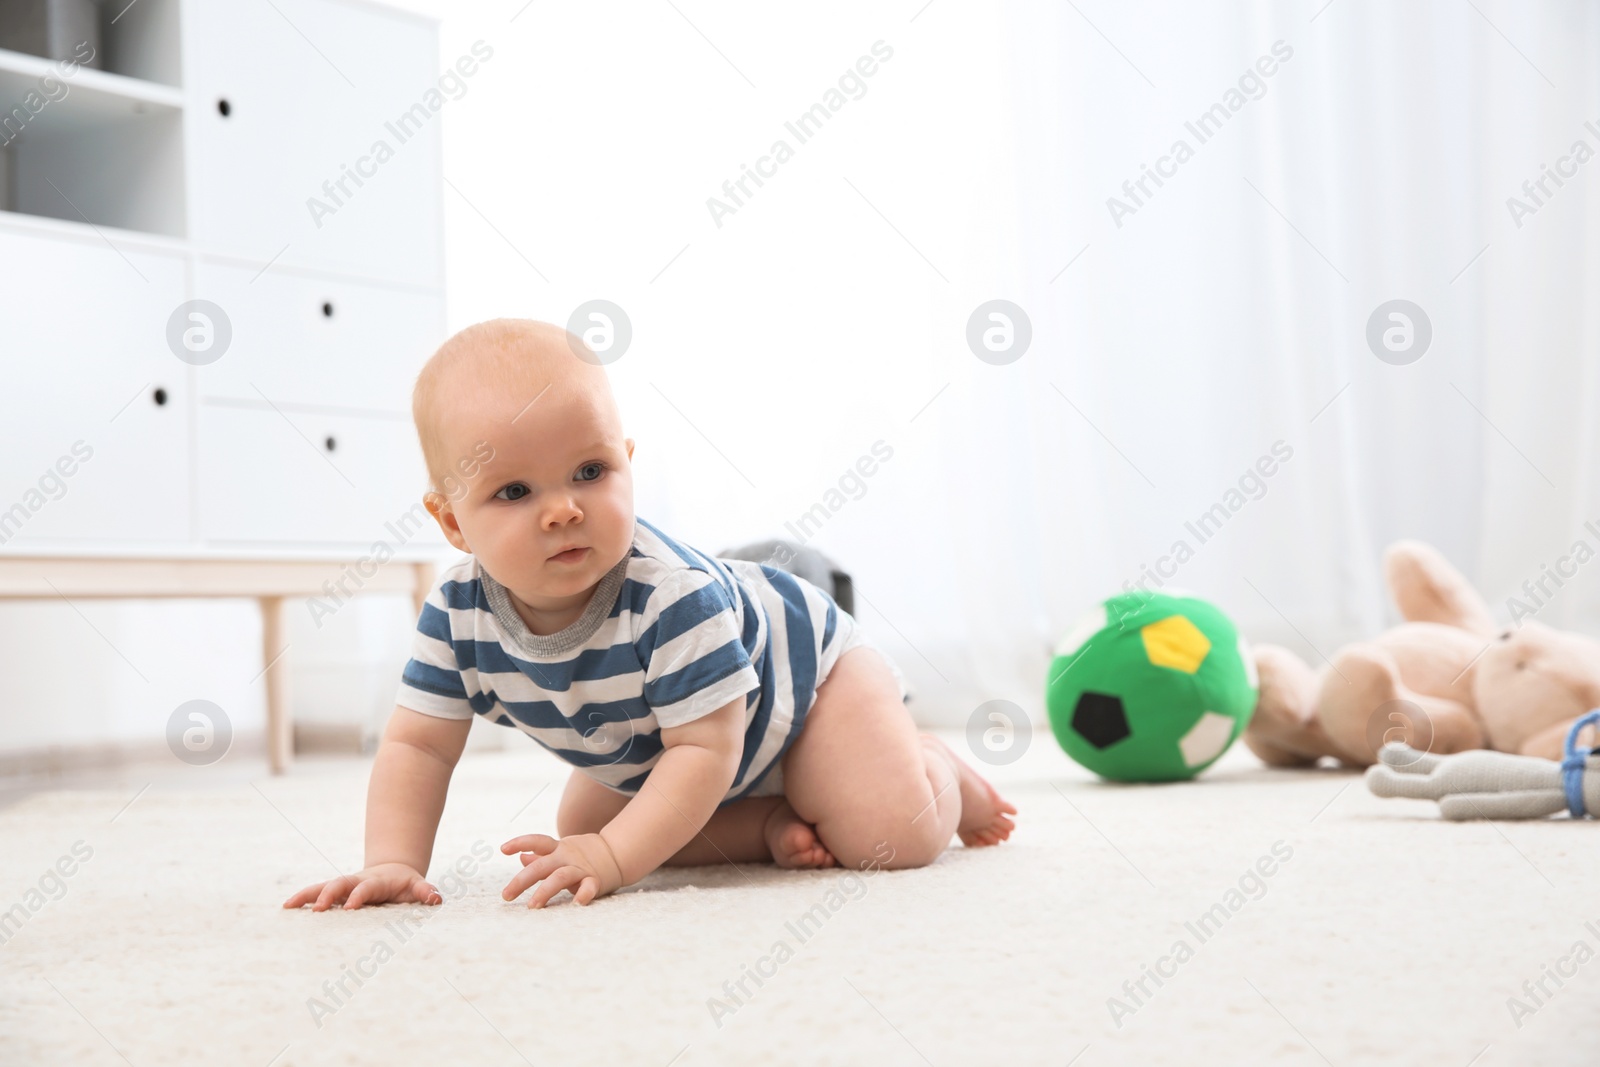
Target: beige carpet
{"type": "Point", "coordinates": [1386, 937]}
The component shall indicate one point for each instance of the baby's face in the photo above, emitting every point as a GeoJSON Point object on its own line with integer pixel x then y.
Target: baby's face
{"type": "Point", "coordinates": [560, 476]}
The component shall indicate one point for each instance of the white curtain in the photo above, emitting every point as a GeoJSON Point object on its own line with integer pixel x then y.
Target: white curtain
{"type": "Point", "coordinates": [1229, 312]}
{"type": "Point", "coordinates": [1226, 314]}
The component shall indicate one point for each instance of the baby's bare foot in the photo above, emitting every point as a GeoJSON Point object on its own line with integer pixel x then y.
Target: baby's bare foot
{"type": "Point", "coordinates": [985, 816]}
{"type": "Point", "coordinates": [793, 841]}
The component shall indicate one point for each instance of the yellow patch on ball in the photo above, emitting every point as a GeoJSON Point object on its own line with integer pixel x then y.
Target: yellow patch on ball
{"type": "Point", "coordinates": [1175, 642]}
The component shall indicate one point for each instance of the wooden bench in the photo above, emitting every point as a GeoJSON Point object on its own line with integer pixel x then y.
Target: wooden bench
{"type": "Point", "coordinates": [269, 581]}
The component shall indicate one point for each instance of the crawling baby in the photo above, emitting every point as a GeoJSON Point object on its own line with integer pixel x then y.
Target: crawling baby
{"type": "Point", "coordinates": [713, 710]}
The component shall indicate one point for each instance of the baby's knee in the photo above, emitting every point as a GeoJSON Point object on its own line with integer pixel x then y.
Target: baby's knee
{"type": "Point", "coordinates": [582, 819]}
{"type": "Point", "coordinates": [923, 843]}
{"type": "Point", "coordinates": [569, 822]}
{"type": "Point", "coordinates": [586, 806]}
{"type": "Point", "coordinates": [888, 844]}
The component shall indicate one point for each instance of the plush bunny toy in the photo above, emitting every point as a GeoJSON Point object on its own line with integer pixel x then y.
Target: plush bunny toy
{"type": "Point", "coordinates": [1442, 682]}
{"type": "Point", "coordinates": [1493, 785]}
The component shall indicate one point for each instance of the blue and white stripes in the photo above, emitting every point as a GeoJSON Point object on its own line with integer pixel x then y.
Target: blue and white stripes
{"type": "Point", "coordinates": [670, 635]}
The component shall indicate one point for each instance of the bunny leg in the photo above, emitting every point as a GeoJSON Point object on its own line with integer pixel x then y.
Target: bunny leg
{"type": "Point", "coordinates": [1363, 705]}
{"type": "Point", "coordinates": [1284, 731]}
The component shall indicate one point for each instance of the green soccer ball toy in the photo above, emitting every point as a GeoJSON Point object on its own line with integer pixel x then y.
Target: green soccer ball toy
{"type": "Point", "coordinates": [1151, 687]}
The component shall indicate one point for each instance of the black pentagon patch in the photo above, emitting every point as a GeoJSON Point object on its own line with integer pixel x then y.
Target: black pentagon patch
{"type": "Point", "coordinates": [1100, 720]}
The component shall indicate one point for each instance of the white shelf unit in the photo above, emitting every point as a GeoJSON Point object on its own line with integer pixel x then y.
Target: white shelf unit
{"type": "Point", "coordinates": [102, 145]}
{"type": "Point", "coordinates": [182, 172]}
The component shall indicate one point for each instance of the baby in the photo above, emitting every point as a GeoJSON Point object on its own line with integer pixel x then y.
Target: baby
{"type": "Point", "coordinates": [715, 711]}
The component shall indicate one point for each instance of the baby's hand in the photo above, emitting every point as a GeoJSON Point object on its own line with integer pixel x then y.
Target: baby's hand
{"type": "Point", "coordinates": [376, 885]}
{"type": "Point", "coordinates": [582, 863]}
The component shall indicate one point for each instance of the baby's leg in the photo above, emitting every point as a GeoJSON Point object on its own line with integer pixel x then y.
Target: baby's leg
{"type": "Point", "coordinates": [586, 806]}
{"type": "Point", "coordinates": [753, 830]}
{"type": "Point", "coordinates": [861, 773]}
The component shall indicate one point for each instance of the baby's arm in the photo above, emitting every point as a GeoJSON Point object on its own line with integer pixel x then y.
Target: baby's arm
{"type": "Point", "coordinates": [405, 797]}
{"type": "Point", "coordinates": [698, 763]}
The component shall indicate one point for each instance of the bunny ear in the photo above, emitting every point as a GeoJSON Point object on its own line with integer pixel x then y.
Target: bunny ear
{"type": "Point", "coordinates": [1427, 588]}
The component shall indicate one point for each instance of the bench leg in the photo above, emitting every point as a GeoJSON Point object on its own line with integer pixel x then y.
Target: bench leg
{"type": "Point", "coordinates": [280, 724]}
{"type": "Point", "coordinates": [423, 577]}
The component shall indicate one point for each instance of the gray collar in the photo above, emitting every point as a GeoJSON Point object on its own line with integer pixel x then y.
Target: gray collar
{"type": "Point", "coordinates": [565, 640]}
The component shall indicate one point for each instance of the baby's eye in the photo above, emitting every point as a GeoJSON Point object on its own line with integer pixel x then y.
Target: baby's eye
{"type": "Point", "coordinates": [598, 468]}
{"type": "Point", "coordinates": [514, 491]}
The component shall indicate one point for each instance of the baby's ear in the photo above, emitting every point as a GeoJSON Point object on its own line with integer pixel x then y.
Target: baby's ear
{"type": "Point", "coordinates": [438, 506]}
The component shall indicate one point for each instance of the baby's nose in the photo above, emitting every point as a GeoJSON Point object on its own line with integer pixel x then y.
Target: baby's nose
{"type": "Point", "coordinates": [561, 513]}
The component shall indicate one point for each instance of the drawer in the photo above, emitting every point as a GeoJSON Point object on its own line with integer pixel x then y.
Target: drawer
{"type": "Point", "coordinates": [294, 477]}
{"type": "Point", "coordinates": [86, 360]}
{"type": "Point", "coordinates": [302, 340]}
{"type": "Point", "coordinates": [310, 87]}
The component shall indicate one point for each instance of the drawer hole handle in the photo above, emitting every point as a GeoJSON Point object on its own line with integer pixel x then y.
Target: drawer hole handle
{"type": "Point", "coordinates": [329, 443]}
{"type": "Point", "coordinates": [224, 108]}
{"type": "Point", "coordinates": [159, 396]}
{"type": "Point", "coordinates": [327, 309]}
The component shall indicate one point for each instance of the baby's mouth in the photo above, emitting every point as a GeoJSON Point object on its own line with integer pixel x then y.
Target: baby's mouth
{"type": "Point", "coordinates": [571, 555]}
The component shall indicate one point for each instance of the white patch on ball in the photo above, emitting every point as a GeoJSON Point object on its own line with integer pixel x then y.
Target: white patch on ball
{"type": "Point", "coordinates": [1206, 739]}
{"type": "Point", "coordinates": [1250, 672]}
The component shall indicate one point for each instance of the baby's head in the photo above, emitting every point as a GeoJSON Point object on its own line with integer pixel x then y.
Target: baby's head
{"type": "Point", "coordinates": [526, 458]}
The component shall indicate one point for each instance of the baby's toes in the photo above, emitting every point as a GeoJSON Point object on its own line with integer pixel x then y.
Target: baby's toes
{"type": "Point", "coordinates": [996, 830]}
{"type": "Point", "coordinates": [815, 856]}
{"type": "Point", "coordinates": [799, 841]}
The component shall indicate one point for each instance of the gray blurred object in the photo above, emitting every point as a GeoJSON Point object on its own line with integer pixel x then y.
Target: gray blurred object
{"type": "Point", "coordinates": [803, 562]}
{"type": "Point", "coordinates": [50, 28]}
{"type": "Point", "coordinates": [1483, 784]}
